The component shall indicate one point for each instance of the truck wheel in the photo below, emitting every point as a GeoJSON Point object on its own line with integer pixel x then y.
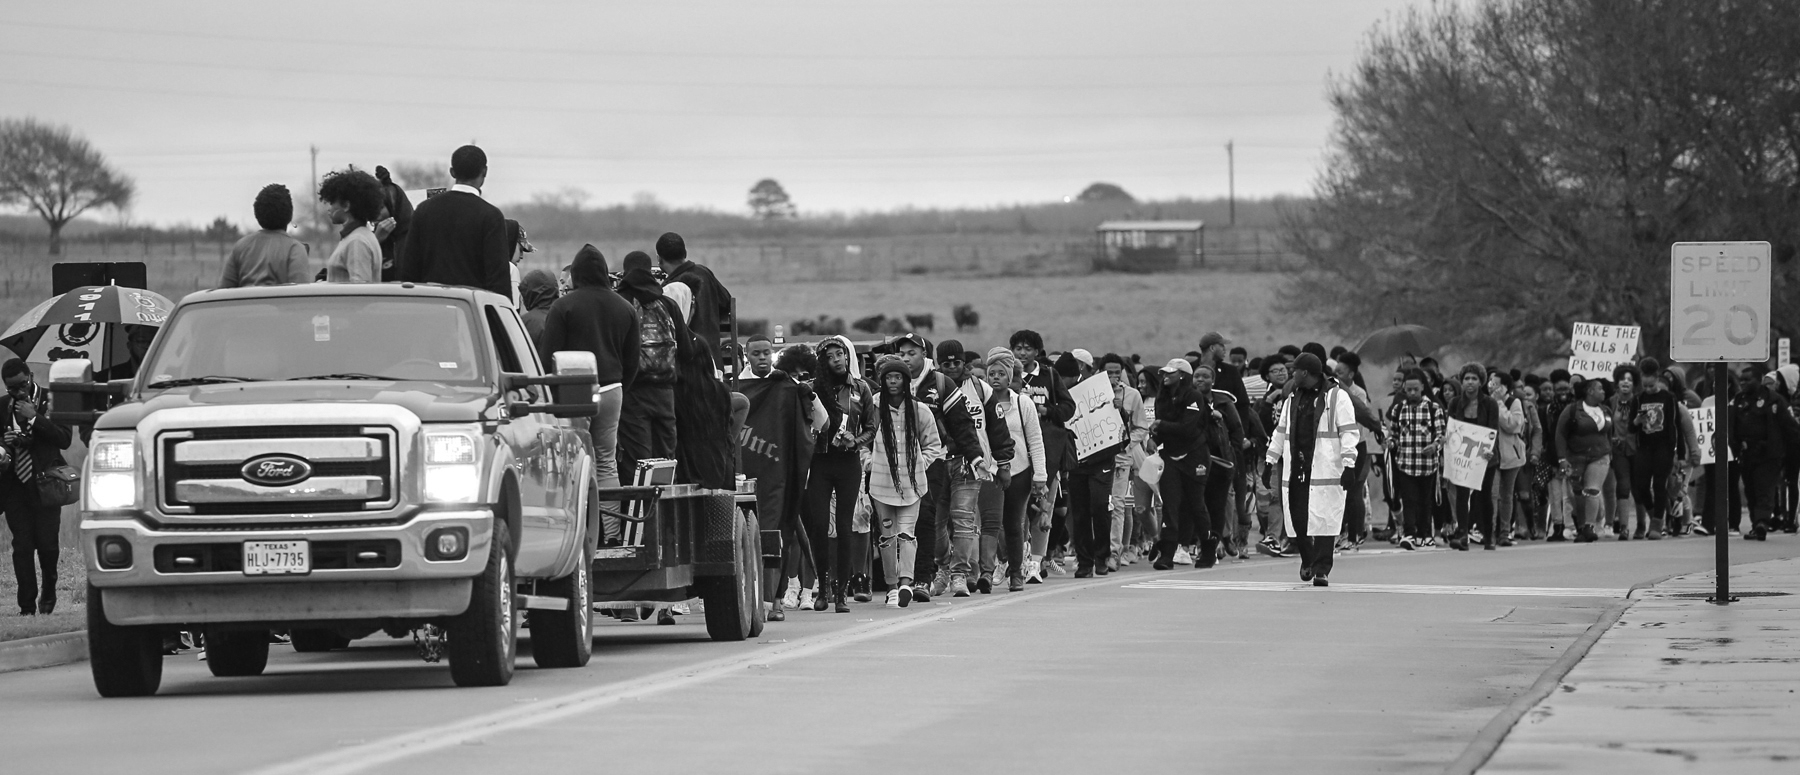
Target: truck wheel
{"type": "Point", "coordinates": [734, 603]}
{"type": "Point", "coordinates": [231, 653]}
{"type": "Point", "coordinates": [484, 639]}
{"type": "Point", "coordinates": [565, 638]}
{"type": "Point", "coordinates": [307, 641]}
{"type": "Point", "coordinates": [126, 661]}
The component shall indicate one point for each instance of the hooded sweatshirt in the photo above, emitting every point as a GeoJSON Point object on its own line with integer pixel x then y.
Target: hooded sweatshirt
{"type": "Point", "coordinates": [850, 407]}
{"type": "Point", "coordinates": [595, 319]}
{"type": "Point", "coordinates": [639, 288]}
{"type": "Point", "coordinates": [538, 291]}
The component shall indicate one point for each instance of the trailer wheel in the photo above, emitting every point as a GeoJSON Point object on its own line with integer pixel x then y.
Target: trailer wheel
{"type": "Point", "coordinates": [233, 653]}
{"type": "Point", "coordinates": [566, 638]}
{"type": "Point", "coordinates": [126, 661]}
{"type": "Point", "coordinates": [308, 641]}
{"type": "Point", "coordinates": [484, 639]}
{"type": "Point", "coordinates": [734, 603]}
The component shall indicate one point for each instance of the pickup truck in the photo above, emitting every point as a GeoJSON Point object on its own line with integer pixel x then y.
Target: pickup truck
{"type": "Point", "coordinates": [336, 460]}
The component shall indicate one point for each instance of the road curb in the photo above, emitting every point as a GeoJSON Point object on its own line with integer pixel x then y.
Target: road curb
{"type": "Point", "coordinates": [43, 651]}
{"type": "Point", "coordinates": [1492, 734]}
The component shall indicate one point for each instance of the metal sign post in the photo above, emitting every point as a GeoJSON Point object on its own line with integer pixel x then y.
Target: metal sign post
{"type": "Point", "coordinates": [1719, 313]}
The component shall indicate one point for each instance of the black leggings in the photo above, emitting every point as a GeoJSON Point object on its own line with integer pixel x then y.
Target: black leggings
{"type": "Point", "coordinates": [1218, 501]}
{"type": "Point", "coordinates": [839, 475]}
{"type": "Point", "coordinates": [1650, 483]}
{"type": "Point", "coordinates": [1183, 488]}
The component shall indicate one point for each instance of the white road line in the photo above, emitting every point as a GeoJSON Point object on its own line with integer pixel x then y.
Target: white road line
{"type": "Point", "coordinates": [1401, 589]}
{"type": "Point", "coordinates": [372, 754]}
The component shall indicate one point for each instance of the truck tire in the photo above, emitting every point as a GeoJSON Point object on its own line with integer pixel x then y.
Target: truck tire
{"type": "Point", "coordinates": [235, 653]}
{"type": "Point", "coordinates": [308, 641]}
{"type": "Point", "coordinates": [734, 603]}
{"type": "Point", "coordinates": [484, 639]}
{"type": "Point", "coordinates": [566, 638]}
{"type": "Point", "coordinates": [126, 661]}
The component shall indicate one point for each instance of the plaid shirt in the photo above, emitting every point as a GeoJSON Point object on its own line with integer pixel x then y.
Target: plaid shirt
{"type": "Point", "coordinates": [1411, 429]}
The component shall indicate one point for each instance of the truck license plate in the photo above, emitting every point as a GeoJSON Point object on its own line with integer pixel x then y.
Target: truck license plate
{"type": "Point", "coordinates": [277, 558]}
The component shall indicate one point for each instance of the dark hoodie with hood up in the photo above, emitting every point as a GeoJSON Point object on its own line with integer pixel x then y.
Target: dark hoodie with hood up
{"type": "Point", "coordinates": [639, 288]}
{"type": "Point", "coordinates": [537, 290]}
{"type": "Point", "coordinates": [595, 319]}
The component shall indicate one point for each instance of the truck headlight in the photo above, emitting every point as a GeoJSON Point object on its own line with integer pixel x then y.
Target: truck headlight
{"type": "Point", "coordinates": [112, 483]}
{"type": "Point", "coordinates": [452, 468]}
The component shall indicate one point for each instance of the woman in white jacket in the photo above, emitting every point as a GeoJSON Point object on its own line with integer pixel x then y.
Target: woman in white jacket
{"type": "Point", "coordinates": [1030, 476]}
{"type": "Point", "coordinates": [906, 443]}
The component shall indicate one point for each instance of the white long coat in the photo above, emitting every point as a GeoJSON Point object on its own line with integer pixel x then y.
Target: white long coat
{"type": "Point", "coordinates": [1333, 451]}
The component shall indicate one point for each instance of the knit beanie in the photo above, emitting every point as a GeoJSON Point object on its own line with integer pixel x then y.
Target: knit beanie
{"type": "Point", "coordinates": [890, 363]}
{"type": "Point", "coordinates": [1067, 366]}
{"type": "Point", "coordinates": [949, 349]}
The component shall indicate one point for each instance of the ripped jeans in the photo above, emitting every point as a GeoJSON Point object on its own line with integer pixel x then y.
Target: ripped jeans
{"type": "Point", "coordinates": [1588, 480]}
{"type": "Point", "coordinates": [899, 542]}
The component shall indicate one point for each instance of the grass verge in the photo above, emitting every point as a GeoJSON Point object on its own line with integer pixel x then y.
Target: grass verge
{"type": "Point", "coordinates": [71, 600]}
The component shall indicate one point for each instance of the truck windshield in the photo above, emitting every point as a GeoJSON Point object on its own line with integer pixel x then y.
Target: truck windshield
{"type": "Point", "coordinates": [358, 337]}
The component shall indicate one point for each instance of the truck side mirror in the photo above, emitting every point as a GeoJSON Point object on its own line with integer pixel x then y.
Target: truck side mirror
{"type": "Point", "coordinates": [583, 374]}
{"type": "Point", "coordinates": [75, 399]}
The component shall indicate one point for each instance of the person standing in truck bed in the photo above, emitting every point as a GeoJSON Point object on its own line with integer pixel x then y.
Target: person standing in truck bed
{"type": "Point", "coordinates": [457, 238]}
{"type": "Point", "coordinates": [592, 318]}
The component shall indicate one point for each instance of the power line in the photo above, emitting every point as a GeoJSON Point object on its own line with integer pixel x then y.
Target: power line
{"type": "Point", "coordinates": [666, 54]}
{"type": "Point", "coordinates": [630, 83]}
{"type": "Point", "coordinates": [467, 107]}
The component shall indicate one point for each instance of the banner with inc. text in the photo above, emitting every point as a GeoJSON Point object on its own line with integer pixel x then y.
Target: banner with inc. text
{"type": "Point", "coordinates": [1467, 448]}
{"type": "Point", "coordinates": [1595, 349]}
{"type": "Point", "coordinates": [1706, 423]}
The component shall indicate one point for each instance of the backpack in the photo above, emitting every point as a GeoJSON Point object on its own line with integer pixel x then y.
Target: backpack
{"type": "Point", "coordinates": [656, 343]}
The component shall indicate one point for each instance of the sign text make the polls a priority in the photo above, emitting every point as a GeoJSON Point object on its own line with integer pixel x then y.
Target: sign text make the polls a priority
{"type": "Point", "coordinates": [1595, 349]}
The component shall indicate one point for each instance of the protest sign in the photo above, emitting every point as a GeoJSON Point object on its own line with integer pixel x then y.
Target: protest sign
{"type": "Point", "coordinates": [1705, 425]}
{"type": "Point", "coordinates": [1595, 349]}
{"type": "Point", "coordinates": [1097, 424]}
{"type": "Point", "coordinates": [1467, 447]}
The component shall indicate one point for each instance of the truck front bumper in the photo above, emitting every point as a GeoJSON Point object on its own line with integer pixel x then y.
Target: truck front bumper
{"type": "Point", "coordinates": [411, 586]}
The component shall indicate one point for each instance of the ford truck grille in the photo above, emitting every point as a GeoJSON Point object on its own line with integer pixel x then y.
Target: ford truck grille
{"type": "Point", "coordinates": [280, 469]}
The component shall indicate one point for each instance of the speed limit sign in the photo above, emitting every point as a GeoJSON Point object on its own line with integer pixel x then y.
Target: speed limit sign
{"type": "Point", "coordinates": [1719, 301]}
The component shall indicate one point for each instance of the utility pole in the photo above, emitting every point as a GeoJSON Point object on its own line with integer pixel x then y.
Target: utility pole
{"type": "Point", "coordinates": [1231, 180]}
{"type": "Point", "coordinates": [314, 185]}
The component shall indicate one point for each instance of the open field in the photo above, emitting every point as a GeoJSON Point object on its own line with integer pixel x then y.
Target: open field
{"type": "Point", "coordinates": [1157, 316]}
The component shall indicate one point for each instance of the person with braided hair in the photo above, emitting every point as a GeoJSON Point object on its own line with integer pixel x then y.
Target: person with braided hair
{"type": "Point", "coordinates": [906, 443]}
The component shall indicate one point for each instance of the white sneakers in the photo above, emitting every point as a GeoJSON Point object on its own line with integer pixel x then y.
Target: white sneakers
{"type": "Point", "coordinates": [1182, 557]}
{"type": "Point", "coordinates": [806, 599]}
{"type": "Point", "coordinates": [893, 598]}
{"type": "Point", "coordinates": [791, 600]}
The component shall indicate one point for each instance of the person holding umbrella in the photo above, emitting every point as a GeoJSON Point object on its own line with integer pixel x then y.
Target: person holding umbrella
{"type": "Point", "coordinates": [92, 322]}
{"type": "Point", "coordinates": [33, 446]}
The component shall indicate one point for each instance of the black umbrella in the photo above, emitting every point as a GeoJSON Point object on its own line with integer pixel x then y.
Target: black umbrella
{"type": "Point", "coordinates": [1394, 342]}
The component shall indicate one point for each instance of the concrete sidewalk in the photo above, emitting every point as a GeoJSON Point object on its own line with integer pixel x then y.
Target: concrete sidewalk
{"type": "Point", "coordinates": [1678, 685]}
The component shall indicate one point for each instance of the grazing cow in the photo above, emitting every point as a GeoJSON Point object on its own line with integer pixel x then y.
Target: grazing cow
{"type": "Point", "coordinates": [803, 327]}
{"type": "Point", "coordinates": [829, 326]}
{"type": "Point", "coordinates": [966, 317]}
{"type": "Point", "coordinates": [925, 322]}
{"type": "Point", "coordinates": [753, 326]}
{"type": "Point", "coordinates": [894, 326]}
{"type": "Point", "coordinates": [871, 324]}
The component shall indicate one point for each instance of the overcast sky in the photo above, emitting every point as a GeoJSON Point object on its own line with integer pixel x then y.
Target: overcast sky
{"type": "Point", "coordinates": [850, 104]}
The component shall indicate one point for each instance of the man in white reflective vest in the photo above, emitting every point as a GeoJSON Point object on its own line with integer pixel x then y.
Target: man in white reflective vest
{"type": "Point", "coordinates": [1315, 442]}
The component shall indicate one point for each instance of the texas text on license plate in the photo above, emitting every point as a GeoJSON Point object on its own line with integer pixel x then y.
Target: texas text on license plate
{"type": "Point", "coordinates": [277, 558]}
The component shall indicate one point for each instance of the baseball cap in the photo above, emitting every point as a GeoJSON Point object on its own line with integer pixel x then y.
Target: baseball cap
{"type": "Point", "coordinates": [911, 338]}
{"type": "Point", "coordinates": [1212, 338]}
{"type": "Point", "coordinates": [1086, 358]}
{"type": "Point", "coordinates": [1178, 364]}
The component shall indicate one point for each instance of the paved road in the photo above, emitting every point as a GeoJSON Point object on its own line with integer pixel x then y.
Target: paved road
{"type": "Point", "coordinates": [1232, 669]}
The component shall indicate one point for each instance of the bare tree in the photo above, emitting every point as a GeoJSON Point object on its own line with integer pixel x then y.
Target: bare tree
{"type": "Point", "coordinates": [770, 202]}
{"type": "Point", "coordinates": [1502, 170]}
{"type": "Point", "coordinates": [55, 173]}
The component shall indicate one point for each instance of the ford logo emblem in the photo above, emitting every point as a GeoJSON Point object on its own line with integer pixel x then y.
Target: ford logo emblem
{"type": "Point", "coordinates": [276, 470]}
